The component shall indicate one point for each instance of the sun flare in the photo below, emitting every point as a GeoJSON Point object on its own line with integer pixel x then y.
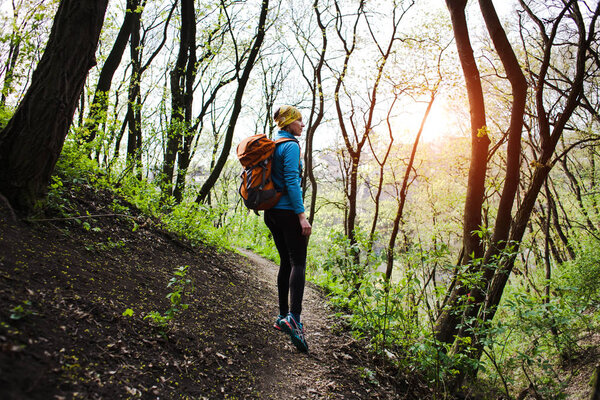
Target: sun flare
{"type": "Point", "coordinates": [441, 122]}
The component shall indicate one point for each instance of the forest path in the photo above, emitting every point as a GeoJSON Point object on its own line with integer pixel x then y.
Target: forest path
{"type": "Point", "coordinates": [332, 368]}
{"type": "Point", "coordinates": [83, 332]}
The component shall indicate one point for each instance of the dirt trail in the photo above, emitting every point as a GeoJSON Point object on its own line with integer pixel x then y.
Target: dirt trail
{"type": "Point", "coordinates": [71, 285]}
{"type": "Point", "coordinates": [331, 370]}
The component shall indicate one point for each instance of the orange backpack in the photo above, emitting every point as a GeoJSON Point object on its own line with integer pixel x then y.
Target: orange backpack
{"type": "Point", "coordinates": [256, 156]}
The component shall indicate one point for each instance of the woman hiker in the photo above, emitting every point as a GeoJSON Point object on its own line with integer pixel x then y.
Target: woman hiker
{"type": "Point", "coordinates": [288, 225]}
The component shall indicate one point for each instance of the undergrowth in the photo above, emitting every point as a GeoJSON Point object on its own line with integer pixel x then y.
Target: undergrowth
{"type": "Point", "coordinates": [529, 345]}
{"type": "Point", "coordinates": [189, 220]}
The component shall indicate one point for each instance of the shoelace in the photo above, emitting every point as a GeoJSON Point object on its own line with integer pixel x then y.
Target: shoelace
{"type": "Point", "coordinates": [299, 329]}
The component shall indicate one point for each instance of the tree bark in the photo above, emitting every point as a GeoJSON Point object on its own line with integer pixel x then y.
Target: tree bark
{"type": "Point", "coordinates": [32, 141]}
{"type": "Point", "coordinates": [99, 104]}
{"type": "Point", "coordinates": [353, 153]}
{"type": "Point", "coordinates": [182, 87]}
{"type": "Point", "coordinates": [544, 164]}
{"type": "Point", "coordinates": [237, 105]}
{"type": "Point", "coordinates": [596, 383]}
{"type": "Point", "coordinates": [513, 165]}
{"type": "Point", "coordinates": [479, 137]}
{"type": "Point", "coordinates": [316, 116]}
{"type": "Point", "coordinates": [134, 101]}
{"type": "Point", "coordinates": [447, 323]}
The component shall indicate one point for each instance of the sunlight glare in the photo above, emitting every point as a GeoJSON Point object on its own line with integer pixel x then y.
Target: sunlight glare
{"type": "Point", "coordinates": [439, 123]}
{"type": "Point", "coordinates": [442, 122]}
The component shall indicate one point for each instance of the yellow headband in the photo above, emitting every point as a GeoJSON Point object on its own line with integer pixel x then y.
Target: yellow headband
{"type": "Point", "coordinates": [287, 115]}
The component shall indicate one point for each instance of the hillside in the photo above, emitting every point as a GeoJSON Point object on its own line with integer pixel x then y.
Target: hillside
{"type": "Point", "coordinates": [65, 284]}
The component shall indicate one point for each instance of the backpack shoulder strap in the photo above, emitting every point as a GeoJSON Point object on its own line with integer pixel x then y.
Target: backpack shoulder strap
{"type": "Point", "coordinates": [283, 140]}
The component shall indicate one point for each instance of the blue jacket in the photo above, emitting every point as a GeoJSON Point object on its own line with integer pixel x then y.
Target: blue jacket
{"type": "Point", "coordinates": [287, 173]}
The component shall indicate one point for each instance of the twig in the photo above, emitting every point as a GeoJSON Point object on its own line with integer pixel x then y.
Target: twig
{"type": "Point", "coordinates": [79, 217]}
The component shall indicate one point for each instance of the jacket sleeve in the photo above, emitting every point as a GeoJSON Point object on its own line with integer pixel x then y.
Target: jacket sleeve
{"type": "Point", "coordinates": [291, 175]}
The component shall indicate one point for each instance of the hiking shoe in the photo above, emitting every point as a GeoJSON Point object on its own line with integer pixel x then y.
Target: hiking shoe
{"type": "Point", "coordinates": [277, 324]}
{"type": "Point", "coordinates": [296, 332]}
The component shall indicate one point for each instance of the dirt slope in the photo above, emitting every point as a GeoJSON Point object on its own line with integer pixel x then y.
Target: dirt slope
{"type": "Point", "coordinates": [65, 283]}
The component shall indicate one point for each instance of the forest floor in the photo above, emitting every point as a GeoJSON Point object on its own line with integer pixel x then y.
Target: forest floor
{"type": "Point", "coordinates": [66, 283]}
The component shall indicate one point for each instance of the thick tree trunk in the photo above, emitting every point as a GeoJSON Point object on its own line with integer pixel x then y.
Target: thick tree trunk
{"type": "Point", "coordinates": [596, 383]}
{"type": "Point", "coordinates": [447, 323]}
{"type": "Point", "coordinates": [33, 139]}
{"type": "Point", "coordinates": [182, 83]}
{"type": "Point", "coordinates": [513, 166]}
{"type": "Point", "coordinates": [479, 133]}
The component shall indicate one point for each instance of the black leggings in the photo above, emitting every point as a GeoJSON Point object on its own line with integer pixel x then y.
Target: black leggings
{"type": "Point", "coordinates": [291, 245]}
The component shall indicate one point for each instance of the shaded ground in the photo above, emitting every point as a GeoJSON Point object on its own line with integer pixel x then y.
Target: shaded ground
{"type": "Point", "coordinates": [65, 283]}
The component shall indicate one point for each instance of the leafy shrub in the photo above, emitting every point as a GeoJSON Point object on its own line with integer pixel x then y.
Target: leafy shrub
{"type": "Point", "coordinates": [578, 279]}
{"type": "Point", "coordinates": [247, 230]}
{"type": "Point", "coordinates": [196, 222]}
{"type": "Point", "coordinates": [74, 166]}
{"type": "Point", "coordinates": [180, 286]}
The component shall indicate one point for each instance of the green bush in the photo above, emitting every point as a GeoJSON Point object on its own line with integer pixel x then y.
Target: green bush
{"type": "Point", "coordinates": [578, 279]}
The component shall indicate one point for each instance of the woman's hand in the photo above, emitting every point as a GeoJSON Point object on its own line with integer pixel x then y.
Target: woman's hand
{"type": "Point", "coordinates": [304, 224]}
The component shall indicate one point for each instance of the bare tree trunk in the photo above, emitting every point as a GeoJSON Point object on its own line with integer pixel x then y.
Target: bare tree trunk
{"type": "Point", "coordinates": [513, 166]}
{"type": "Point", "coordinates": [596, 383]}
{"type": "Point", "coordinates": [134, 102]}
{"type": "Point", "coordinates": [32, 141]}
{"type": "Point", "coordinates": [402, 194]}
{"type": "Point", "coordinates": [479, 133]}
{"type": "Point", "coordinates": [316, 116]}
{"type": "Point", "coordinates": [353, 152]}
{"type": "Point", "coordinates": [182, 86]}
{"type": "Point", "coordinates": [133, 118]}
{"type": "Point", "coordinates": [237, 105]}
{"type": "Point", "coordinates": [99, 104]}
{"type": "Point", "coordinates": [447, 323]}
{"type": "Point", "coordinates": [547, 244]}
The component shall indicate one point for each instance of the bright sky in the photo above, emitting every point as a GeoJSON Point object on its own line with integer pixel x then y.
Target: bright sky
{"type": "Point", "coordinates": [443, 119]}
